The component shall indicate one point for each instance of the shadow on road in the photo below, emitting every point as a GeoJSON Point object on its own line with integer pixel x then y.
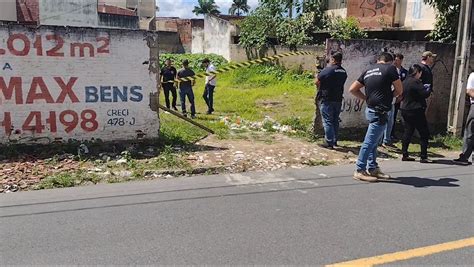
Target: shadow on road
{"type": "Point", "coordinates": [423, 182]}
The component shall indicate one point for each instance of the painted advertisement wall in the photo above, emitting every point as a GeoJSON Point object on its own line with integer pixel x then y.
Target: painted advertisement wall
{"type": "Point", "coordinates": [61, 83]}
{"type": "Point", "coordinates": [372, 13]}
{"type": "Point", "coordinates": [360, 54]}
{"type": "Point", "coordinates": [80, 13]}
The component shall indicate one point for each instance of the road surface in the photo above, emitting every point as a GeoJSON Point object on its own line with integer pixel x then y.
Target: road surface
{"type": "Point", "coordinates": [314, 216]}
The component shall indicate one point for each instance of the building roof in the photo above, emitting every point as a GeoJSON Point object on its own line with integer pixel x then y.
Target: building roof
{"type": "Point", "coordinates": [103, 8]}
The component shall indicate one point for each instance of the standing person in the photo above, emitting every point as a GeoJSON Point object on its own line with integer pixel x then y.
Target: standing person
{"type": "Point", "coordinates": [468, 143]}
{"type": "Point", "coordinates": [330, 82]}
{"type": "Point", "coordinates": [413, 109]}
{"type": "Point", "coordinates": [168, 73]}
{"type": "Point", "coordinates": [403, 73]}
{"type": "Point", "coordinates": [427, 61]}
{"type": "Point", "coordinates": [186, 89]}
{"type": "Point", "coordinates": [377, 80]}
{"type": "Point", "coordinates": [210, 86]}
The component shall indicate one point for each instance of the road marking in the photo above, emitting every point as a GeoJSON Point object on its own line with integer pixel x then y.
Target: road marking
{"type": "Point", "coordinates": [408, 254]}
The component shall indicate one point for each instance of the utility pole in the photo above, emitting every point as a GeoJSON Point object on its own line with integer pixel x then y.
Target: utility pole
{"type": "Point", "coordinates": [460, 70]}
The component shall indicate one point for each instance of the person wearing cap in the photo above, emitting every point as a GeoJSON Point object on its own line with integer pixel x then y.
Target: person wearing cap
{"type": "Point", "coordinates": [468, 142]}
{"type": "Point", "coordinates": [330, 82]}
{"type": "Point", "coordinates": [211, 82]}
{"type": "Point", "coordinates": [186, 89]}
{"type": "Point", "coordinates": [427, 61]}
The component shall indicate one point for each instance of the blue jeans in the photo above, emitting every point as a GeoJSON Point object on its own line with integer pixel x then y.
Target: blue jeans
{"type": "Point", "coordinates": [330, 114]}
{"type": "Point", "coordinates": [183, 92]}
{"type": "Point", "coordinates": [387, 135]}
{"type": "Point", "coordinates": [368, 152]}
{"type": "Point", "coordinates": [209, 97]}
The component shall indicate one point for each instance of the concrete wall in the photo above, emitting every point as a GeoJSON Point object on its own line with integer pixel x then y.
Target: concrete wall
{"type": "Point", "coordinates": [218, 35]}
{"type": "Point", "coordinates": [375, 14]}
{"type": "Point", "coordinates": [410, 14]}
{"type": "Point", "coordinates": [8, 10]}
{"type": "Point", "coordinates": [197, 45]}
{"type": "Point", "coordinates": [416, 15]}
{"type": "Point", "coordinates": [76, 83]}
{"type": "Point", "coordinates": [169, 42]}
{"type": "Point", "coordinates": [306, 62]}
{"type": "Point", "coordinates": [80, 13]}
{"type": "Point", "coordinates": [359, 54]}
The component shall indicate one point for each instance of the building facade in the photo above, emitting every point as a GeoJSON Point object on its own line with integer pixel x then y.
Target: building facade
{"type": "Point", "coordinates": [413, 15]}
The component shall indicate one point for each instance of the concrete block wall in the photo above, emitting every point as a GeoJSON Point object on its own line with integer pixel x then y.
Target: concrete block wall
{"type": "Point", "coordinates": [60, 83]}
{"type": "Point", "coordinates": [359, 54]}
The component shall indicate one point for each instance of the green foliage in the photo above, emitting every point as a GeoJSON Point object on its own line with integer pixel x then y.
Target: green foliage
{"type": "Point", "coordinates": [195, 60]}
{"type": "Point", "coordinates": [447, 20]}
{"type": "Point", "coordinates": [272, 20]}
{"type": "Point", "coordinates": [206, 7]}
{"type": "Point", "coordinates": [256, 29]}
{"type": "Point", "coordinates": [238, 7]}
{"type": "Point", "coordinates": [345, 29]}
{"type": "Point", "coordinates": [168, 159]}
{"type": "Point", "coordinates": [66, 179]}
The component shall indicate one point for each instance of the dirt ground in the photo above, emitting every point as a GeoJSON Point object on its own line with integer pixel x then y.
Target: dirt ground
{"type": "Point", "coordinates": [252, 151]}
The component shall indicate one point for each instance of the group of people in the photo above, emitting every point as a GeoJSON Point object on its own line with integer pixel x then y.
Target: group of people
{"type": "Point", "coordinates": [169, 75]}
{"type": "Point", "coordinates": [388, 88]}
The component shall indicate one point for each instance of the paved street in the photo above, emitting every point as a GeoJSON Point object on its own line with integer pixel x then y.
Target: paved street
{"type": "Point", "coordinates": [311, 216]}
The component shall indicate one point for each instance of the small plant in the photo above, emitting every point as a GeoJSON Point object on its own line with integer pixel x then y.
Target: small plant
{"type": "Point", "coordinates": [168, 159]}
{"type": "Point", "coordinates": [58, 181]}
{"type": "Point", "coordinates": [312, 162]}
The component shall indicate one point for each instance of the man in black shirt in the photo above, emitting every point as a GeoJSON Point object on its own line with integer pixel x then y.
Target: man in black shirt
{"type": "Point", "coordinates": [427, 61]}
{"type": "Point", "coordinates": [186, 89]}
{"type": "Point", "coordinates": [330, 82]}
{"type": "Point", "coordinates": [168, 73]}
{"type": "Point", "coordinates": [377, 80]}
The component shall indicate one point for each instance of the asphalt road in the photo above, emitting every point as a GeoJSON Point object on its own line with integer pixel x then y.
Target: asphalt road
{"type": "Point", "coordinates": [309, 216]}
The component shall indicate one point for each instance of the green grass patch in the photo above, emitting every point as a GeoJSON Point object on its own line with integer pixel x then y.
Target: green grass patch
{"type": "Point", "coordinates": [251, 93]}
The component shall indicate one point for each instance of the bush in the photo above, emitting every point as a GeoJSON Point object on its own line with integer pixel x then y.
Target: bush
{"type": "Point", "coordinates": [195, 60]}
{"type": "Point", "coordinates": [345, 29]}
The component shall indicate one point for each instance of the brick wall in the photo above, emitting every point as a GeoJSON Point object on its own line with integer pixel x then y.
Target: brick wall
{"type": "Point", "coordinates": [27, 11]}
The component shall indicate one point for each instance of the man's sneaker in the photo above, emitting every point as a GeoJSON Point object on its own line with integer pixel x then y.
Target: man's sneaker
{"type": "Point", "coordinates": [408, 159]}
{"type": "Point", "coordinates": [193, 116]}
{"type": "Point", "coordinates": [389, 145]}
{"type": "Point", "coordinates": [326, 145]}
{"type": "Point", "coordinates": [461, 161]}
{"type": "Point", "coordinates": [378, 174]}
{"type": "Point", "coordinates": [363, 176]}
{"type": "Point", "coordinates": [426, 160]}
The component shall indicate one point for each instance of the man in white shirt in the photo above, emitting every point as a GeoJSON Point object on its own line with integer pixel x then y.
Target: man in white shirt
{"type": "Point", "coordinates": [210, 86]}
{"type": "Point", "coordinates": [468, 143]}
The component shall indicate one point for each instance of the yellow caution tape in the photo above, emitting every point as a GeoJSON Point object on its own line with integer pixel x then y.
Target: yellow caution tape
{"type": "Point", "coordinates": [238, 65]}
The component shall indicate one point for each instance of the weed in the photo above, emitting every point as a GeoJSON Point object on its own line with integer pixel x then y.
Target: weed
{"type": "Point", "coordinates": [169, 160]}
{"type": "Point", "coordinates": [58, 181]}
{"type": "Point", "coordinates": [312, 162]}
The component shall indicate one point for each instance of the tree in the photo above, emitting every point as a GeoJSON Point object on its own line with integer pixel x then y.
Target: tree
{"type": "Point", "coordinates": [259, 27]}
{"type": "Point", "coordinates": [447, 19]}
{"type": "Point", "coordinates": [346, 29]}
{"type": "Point", "coordinates": [206, 7]}
{"type": "Point", "coordinates": [239, 6]}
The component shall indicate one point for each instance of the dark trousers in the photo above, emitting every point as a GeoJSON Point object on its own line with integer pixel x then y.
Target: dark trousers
{"type": "Point", "coordinates": [209, 97]}
{"type": "Point", "coordinates": [468, 143]}
{"type": "Point", "coordinates": [187, 92]}
{"type": "Point", "coordinates": [415, 120]}
{"type": "Point", "coordinates": [395, 114]}
{"type": "Point", "coordinates": [167, 88]}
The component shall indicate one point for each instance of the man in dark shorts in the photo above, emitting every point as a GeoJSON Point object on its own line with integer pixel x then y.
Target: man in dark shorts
{"type": "Point", "coordinates": [186, 89]}
{"type": "Point", "coordinates": [377, 80]}
{"type": "Point", "coordinates": [330, 82]}
{"type": "Point", "coordinates": [168, 73]}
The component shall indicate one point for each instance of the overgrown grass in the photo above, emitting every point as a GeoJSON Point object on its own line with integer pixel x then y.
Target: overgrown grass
{"type": "Point", "coordinates": [68, 179]}
{"type": "Point", "coordinates": [251, 93]}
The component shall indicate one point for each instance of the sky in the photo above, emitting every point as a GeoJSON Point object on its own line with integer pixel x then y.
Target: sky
{"type": "Point", "coordinates": [184, 8]}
